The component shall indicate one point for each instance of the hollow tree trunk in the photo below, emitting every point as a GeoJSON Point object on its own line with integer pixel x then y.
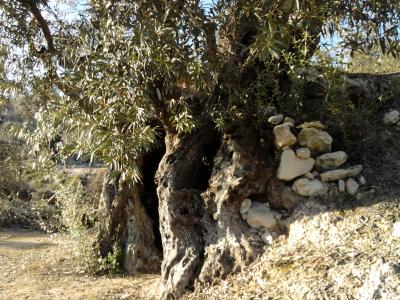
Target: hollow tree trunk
{"type": "Point", "coordinates": [124, 222]}
{"type": "Point", "coordinates": [203, 235]}
{"type": "Point", "coordinates": [181, 210]}
{"type": "Point", "coordinates": [242, 167]}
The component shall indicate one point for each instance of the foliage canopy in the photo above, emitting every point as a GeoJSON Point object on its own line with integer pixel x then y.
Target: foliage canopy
{"type": "Point", "coordinates": [122, 73]}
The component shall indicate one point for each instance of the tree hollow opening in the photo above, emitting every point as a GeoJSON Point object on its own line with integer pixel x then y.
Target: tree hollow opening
{"type": "Point", "coordinates": [149, 195]}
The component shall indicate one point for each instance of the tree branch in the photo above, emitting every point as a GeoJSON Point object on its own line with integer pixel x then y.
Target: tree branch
{"type": "Point", "coordinates": [31, 5]}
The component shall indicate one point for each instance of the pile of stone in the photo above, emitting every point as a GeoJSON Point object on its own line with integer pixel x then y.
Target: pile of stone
{"type": "Point", "coordinates": [307, 168]}
{"type": "Point", "coordinates": [307, 160]}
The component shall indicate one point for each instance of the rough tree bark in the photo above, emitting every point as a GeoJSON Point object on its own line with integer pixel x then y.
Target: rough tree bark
{"type": "Point", "coordinates": [206, 238]}
{"type": "Point", "coordinates": [242, 168]}
{"type": "Point", "coordinates": [124, 221]}
{"type": "Point", "coordinates": [181, 210]}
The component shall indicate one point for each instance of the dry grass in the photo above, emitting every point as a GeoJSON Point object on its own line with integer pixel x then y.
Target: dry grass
{"type": "Point", "coordinates": [328, 254]}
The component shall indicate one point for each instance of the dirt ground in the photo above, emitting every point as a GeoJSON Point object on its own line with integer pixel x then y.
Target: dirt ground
{"type": "Point", "coordinates": [34, 265]}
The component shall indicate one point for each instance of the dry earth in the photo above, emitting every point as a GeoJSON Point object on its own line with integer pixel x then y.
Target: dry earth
{"type": "Point", "coordinates": [35, 265]}
{"type": "Point", "coordinates": [339, 250]}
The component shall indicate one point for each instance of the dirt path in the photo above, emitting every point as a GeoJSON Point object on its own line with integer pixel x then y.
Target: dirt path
{"type": "Point", "coordinates": [34, 265]}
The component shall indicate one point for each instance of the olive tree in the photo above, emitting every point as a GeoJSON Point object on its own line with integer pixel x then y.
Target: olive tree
{"type": "Point", "coordinates": [171, 95]}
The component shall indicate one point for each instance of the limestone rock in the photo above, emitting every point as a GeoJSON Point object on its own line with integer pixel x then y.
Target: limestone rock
{"type": "Point", "coordinates": [303, 153]}
{"type": "Point", "coordinates": [331, 160]}
{"type": "Point", "coordinates": [315, 124]}
{"type": "Point", "coordinates": [289, 120]}
{"type": "Point", "coordinates": [341, 173]}
{"type": "Point", "coordinates": [391, 117]}
{"type": "Point", "coordinates": [308, 188]}
{"type": "Point", "coordinates": [275, 120]}
{"type": "Point", "coordinates": [266, 237]}
{"type": "Point", "coordinates": [260, 216]}
{"type": "Point", "coordinates": [342, 186]}
{"type": "Point", "coordinates": [291, 166]}
{"type": "Point", "coordinates": [283, 136]}
{"type": "Point", "coordinates": [316, 140]}
{"type": "Point", "coordinates": [351, 186]}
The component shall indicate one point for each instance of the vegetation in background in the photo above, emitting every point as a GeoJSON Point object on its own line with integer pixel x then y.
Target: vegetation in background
{"type": "Point", "coordinates": [128, 71]}
{"type": "Point", "coordinates": [374, 62]}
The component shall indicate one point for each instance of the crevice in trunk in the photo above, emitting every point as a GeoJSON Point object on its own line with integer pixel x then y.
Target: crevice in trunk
{"type": "Point", "coordinates": [149, 194]}
{"type": "Point", "coordinates": [207, 163]}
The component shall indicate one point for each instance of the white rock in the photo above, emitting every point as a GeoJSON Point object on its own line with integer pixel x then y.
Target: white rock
{"type": "Point", "coordinates": [331, 160]}
{"type": "Point", "coordinates": [266, 237]}
{"type": "Point", "coordinates": [391, 118]}
{"type": "Point", "coordinates": [396, 230]}
{"type": "Point", "coordinates": [308, 188]}
{"type": "Point", "coordinates": [342, 186]}
{"type": "Point", "coordinates": [316, 140]}
{"type": "Point", "coordinates": [283, 136]}
{"type": "Point", "coordinates": [289, 120]}
{"type": "Point", "coordinates": [275, 120]}
{"type": "Point", "coordinates": [303, 153]}
{"type": "Point", "coordinates": [314, 124]}
{"type": "Point", "coordinates": [260, 216]}
{"type": "Point", "coordinates": [341, 173]}
{"type": "Point", "coordinates": [245, 206]}
{"type": "Point", "coordinates": [361, 180]}
{"type": "Point", "coordinates": [351, 186]}
{"type": "Point", "coordinates": [291, 166]}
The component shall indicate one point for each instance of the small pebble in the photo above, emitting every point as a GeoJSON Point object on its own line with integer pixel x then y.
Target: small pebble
{"type": "Point", "coordinates": [361, 180]}
{"type": "Point", "coordinates": [342, 186]}
{"type": "Point", "coordinates": [309, 175]}
{"type": "Point", "coordinates": [351, 186]}
{"type": "Point", "coordinates": [245, 206]}
{"type": "Point", "coordinates": [303, 153]}
{"type": "Point", "coordinates": [266, 237]}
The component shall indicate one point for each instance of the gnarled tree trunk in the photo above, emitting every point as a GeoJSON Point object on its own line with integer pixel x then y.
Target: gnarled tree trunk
{"type": "Point", "coordinates": [242, 168]}
{"type": "Point", "coordinates": [125, 222]}
{"type": "Point", "coordinates": [203, 235]}
{"type": "Point", "coordinates": [181, 210]}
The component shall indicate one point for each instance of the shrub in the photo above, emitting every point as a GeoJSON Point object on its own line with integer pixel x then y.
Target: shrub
{"type": "Point", "coordinates": [79, 218]}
